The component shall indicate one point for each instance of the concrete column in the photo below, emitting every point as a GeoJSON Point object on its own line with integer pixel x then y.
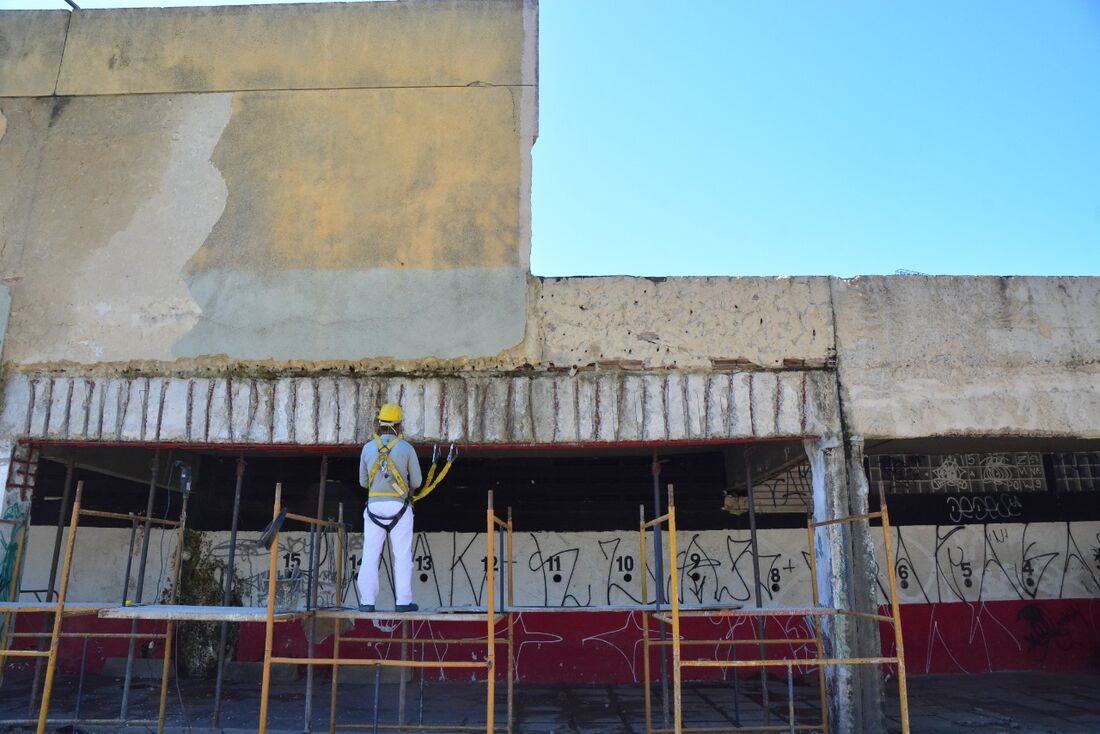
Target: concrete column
{"type": "Point", "coordinates": [869, 678]}
{"type": "Point", "coordinates": [6, 446]}
{"type": "Point", "coordinates": [5, 468]}
{"type": "Point", "coordinates": [12, 507]}
{"type": "Point", "coordinates": [834, 574]}
{"type": "Point", "coordinates": [11, 503]}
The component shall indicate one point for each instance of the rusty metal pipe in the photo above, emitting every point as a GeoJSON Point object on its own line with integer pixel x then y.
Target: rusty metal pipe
{"type": "Point", "coordinates": [227, 591]}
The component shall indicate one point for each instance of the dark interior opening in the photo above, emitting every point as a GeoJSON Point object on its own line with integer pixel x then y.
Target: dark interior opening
{"type": "Point", "coordinates": [548, 490]}
{"type": "Point", "coordinates": [978, 480]}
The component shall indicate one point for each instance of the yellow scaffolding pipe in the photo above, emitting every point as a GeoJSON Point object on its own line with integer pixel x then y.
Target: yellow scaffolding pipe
{"type": "Point", "coordinates": [59, 613]}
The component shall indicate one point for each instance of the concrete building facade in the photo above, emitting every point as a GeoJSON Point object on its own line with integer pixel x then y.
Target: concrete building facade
{"type": "Point", "coordinates": [238, 231]}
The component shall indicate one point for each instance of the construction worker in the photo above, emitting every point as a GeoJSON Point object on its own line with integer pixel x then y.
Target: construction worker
{"type": "Point", "coordinates": [390, 472]}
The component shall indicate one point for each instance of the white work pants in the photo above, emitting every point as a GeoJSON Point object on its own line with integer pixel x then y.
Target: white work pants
{"type": "Point", "coordinates": [401, 543]}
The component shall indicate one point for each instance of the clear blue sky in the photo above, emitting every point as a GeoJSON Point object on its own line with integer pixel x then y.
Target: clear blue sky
{"type": "Point", "coordinates": [681, 138]}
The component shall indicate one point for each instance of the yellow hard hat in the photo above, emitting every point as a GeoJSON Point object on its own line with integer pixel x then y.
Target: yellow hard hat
{"type": "Point", "coordinates": [390, 413]}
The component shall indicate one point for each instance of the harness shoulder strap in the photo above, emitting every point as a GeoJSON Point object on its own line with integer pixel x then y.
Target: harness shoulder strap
{"type": "Point", "coordinates": [402, 489]}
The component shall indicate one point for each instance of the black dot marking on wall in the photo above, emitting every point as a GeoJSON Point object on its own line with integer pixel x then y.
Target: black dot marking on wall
{"type": "Point", "coordinates": [968, 583]}
{"type": "Point", "coordinates": [423, 577]}
{"type": "Point", "coordinates": [695, 576]}
{"type": "Point", "coordinates": [627, 577]}
{"type": "Point", "coordinates": [775, 587]}
{"type": "Point", "coordinates": [905, 584]}
{"type": "Point", "coordinates": [557, 578]}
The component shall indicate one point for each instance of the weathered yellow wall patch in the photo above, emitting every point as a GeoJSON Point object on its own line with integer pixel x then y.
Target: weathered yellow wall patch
{"type": "Point", "coordinates": [308, 184]}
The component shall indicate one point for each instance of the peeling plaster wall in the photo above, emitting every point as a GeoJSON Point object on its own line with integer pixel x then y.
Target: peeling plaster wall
{"type": "Point", "coordinates": [686, 322]}
{"type": "Point", "coordinates": [125, 195]}
{"type": "Point", "coordinates": [926, 356]}
{"type": "Point", "coordinates": [311, 184]}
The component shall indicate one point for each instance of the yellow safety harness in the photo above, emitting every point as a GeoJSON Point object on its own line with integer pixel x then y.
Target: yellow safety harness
{"type": "Point", "coordinates": [399, 488]}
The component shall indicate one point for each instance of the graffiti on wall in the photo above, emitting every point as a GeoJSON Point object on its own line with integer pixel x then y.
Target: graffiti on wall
{"type": "Point", "coordinates": [548, 569]}
{"type": "Point", "coordinates": [994, 562]}
{"type": "Point", "coordinates": [934, 564]}
{"type": "Point", "coordinates": [790, 490]}
{"type": "Point", "coordinates": [957, 473]}
{"type": "Point", "coordinates": [976, 597]}
{"type": "Point", "coordinates": [997, 596]}
{"type": "Point", "coordinates": [9, 543]}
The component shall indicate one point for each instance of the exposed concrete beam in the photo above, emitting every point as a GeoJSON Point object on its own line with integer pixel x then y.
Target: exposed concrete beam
{"type": "Point", "coordinates": [588, 408]}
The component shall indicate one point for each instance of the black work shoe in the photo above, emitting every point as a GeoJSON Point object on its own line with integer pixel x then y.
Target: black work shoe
{"type": "Point", "coordinates": [407, 607]}
{"type": "Point", "coordinates": [366, 607]}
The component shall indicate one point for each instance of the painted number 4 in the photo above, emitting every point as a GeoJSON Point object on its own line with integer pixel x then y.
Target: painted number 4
{"type": "Point", "coordinates": [1030, 571]}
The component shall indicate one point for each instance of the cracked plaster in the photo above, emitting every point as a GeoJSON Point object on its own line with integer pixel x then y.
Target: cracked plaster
{"type": "Point", "coordinates": [686, 322]}
{"type": "Point", "coordinates": [925, 356]}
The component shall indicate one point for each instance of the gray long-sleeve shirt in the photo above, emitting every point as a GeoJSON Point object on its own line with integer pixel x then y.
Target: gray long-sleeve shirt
{"type": "Point", "coordinates": [404, 456]}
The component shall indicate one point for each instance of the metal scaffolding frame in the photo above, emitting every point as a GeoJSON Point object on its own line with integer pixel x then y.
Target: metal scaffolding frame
{"type": "Point", "coordinates": [22, 527]}
{"type": "Point", "coordinates": [491, 617]}
{"type": "Point", "coordinates": [171, 613]}
{"type": "Point", "coordinates": [673, 616]}
{"type": "Point", "coordinates": [62, 609]}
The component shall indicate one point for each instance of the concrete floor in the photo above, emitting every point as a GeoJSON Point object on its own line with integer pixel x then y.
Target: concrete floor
{"type": "Point", "coordinates": [1021, 703]}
